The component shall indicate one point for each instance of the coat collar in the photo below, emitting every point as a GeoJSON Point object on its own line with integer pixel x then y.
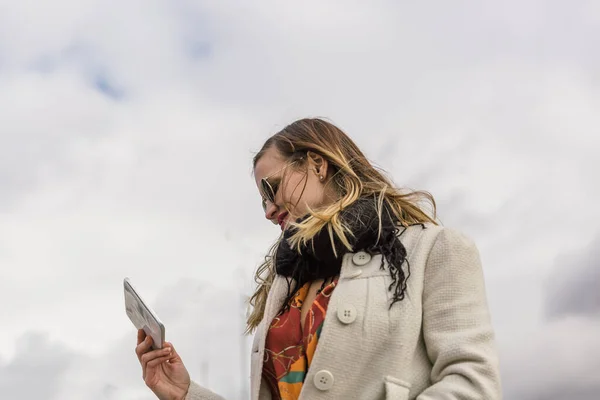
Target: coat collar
{"type": "Point", "coordinates": [354, 266]}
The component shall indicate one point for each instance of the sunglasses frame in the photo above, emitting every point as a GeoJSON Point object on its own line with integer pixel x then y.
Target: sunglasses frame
{"type": "Point", "coordinates": [268, 191]}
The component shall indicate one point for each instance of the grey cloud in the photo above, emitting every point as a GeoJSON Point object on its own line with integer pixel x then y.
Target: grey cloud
{"type": "Point", "coordinates": [556, 360]}
{"type": "Point", "coordinates": [562, 391]}
{"type": "Point", "coordinates": [574, 285]}
{"type": "Point", "coordinates": [571, 392]}
{"type": "Point", "coordinates": [36, 369]}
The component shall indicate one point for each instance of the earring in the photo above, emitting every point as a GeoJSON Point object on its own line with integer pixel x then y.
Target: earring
{"type": "Point", "coordinates": [320, 177]}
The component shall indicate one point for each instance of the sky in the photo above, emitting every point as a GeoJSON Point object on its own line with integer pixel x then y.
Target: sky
{"type": "Point", "coordinates": [127, 131]}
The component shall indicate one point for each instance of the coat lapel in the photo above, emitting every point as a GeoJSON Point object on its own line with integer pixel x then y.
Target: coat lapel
{"type": "Point", "coordinates": [275, 299]}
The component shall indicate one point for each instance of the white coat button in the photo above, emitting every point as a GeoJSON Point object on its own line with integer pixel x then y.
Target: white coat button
{"type": "Point", "coordinates": [323, 380]}
{"type": "Point", "coordinates": [361, 258]}
{"type": "Point", "coordinates": [346, 314]}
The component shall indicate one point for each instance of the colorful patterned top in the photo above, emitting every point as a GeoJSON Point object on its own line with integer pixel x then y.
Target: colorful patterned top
{"type": "Point", "coordinates": [288, 349]}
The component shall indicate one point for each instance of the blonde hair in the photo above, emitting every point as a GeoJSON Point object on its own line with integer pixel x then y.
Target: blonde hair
{"type": "Point", "coordinates": [352, 177]}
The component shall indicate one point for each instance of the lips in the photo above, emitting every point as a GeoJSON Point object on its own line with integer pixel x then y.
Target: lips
{"type": "Point", "coordinates": [281, 219]}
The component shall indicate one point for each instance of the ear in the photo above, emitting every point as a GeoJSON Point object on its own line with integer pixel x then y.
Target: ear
{"type": "Point", "coordinates": [317, 163]}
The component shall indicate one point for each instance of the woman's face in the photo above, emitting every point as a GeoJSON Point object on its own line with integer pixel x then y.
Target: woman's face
{"type": "Point", "coordinates": [297, 185]}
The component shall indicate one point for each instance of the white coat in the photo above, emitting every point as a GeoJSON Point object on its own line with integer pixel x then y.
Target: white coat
{"type": "Point", "coordinates": [437, 343]}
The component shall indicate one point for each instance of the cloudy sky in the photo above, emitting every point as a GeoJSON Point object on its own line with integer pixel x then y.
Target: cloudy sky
{"type": "Point", "coordinates": [126, 136]}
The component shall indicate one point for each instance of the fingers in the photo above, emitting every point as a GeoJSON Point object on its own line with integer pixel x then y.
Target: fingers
{"type": "Point", "coordinates": [169, 345]}
{"type": "Point", "coordinates": [157, 361]}
{"type": "Point", "coordinates": [141, 335]}
{"type": "Point", "coordinates": [151, 355]}
{"type": "Point", "coordinates": [150, 358]}
{"type": "Point", "coordinates": [154, 358]}
{"type": "Point", "coordinates": [143, 347]}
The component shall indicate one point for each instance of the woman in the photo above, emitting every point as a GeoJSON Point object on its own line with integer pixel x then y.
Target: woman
{"type": "Point", "coordinates": [363, 297]}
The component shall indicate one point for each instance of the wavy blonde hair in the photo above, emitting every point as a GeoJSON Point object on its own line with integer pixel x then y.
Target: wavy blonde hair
{"type": "Point", "coordinates": [352, 177]}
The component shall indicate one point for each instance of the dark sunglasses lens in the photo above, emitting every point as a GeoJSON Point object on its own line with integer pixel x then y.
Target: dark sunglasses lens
{"type": "Point", "coordinates": [268, 191]}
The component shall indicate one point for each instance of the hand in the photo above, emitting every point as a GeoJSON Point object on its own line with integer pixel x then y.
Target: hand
{"type": "Point", "coordinates": [162, 370]}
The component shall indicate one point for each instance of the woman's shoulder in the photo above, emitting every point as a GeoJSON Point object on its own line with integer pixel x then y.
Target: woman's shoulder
{"type": "Point", "coordinates": [425, 237]}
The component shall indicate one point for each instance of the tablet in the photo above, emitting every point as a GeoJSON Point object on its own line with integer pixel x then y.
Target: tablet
{"type": "Point", "coordinates": [142, 316]}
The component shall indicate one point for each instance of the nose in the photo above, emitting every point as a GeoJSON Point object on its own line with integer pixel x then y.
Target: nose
{"type": "Point", "coordinates": [271, 212]}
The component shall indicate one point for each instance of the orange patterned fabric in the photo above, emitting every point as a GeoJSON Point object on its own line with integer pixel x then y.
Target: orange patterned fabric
{"type": "Point", "coordinates": [288, 349]}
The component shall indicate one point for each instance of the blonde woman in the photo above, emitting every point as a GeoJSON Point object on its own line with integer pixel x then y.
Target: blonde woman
{"type": "Point", "coordinates": [364, 296]}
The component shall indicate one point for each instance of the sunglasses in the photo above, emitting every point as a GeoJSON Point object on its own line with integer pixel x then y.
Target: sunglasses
{"type": "Point", "coordinates": [269, 189]}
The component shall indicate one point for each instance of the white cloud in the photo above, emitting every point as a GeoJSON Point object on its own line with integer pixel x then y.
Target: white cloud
{"type": "Point", "coordinates": [204, 324]}
{"type": "Point", "coordinates": [491, 107]}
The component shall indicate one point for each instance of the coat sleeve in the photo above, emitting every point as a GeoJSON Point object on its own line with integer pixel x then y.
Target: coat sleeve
{"type": "Point", "coordinates": [197, 392]}
{"type": "Point", "coordinates": [457, 328]}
